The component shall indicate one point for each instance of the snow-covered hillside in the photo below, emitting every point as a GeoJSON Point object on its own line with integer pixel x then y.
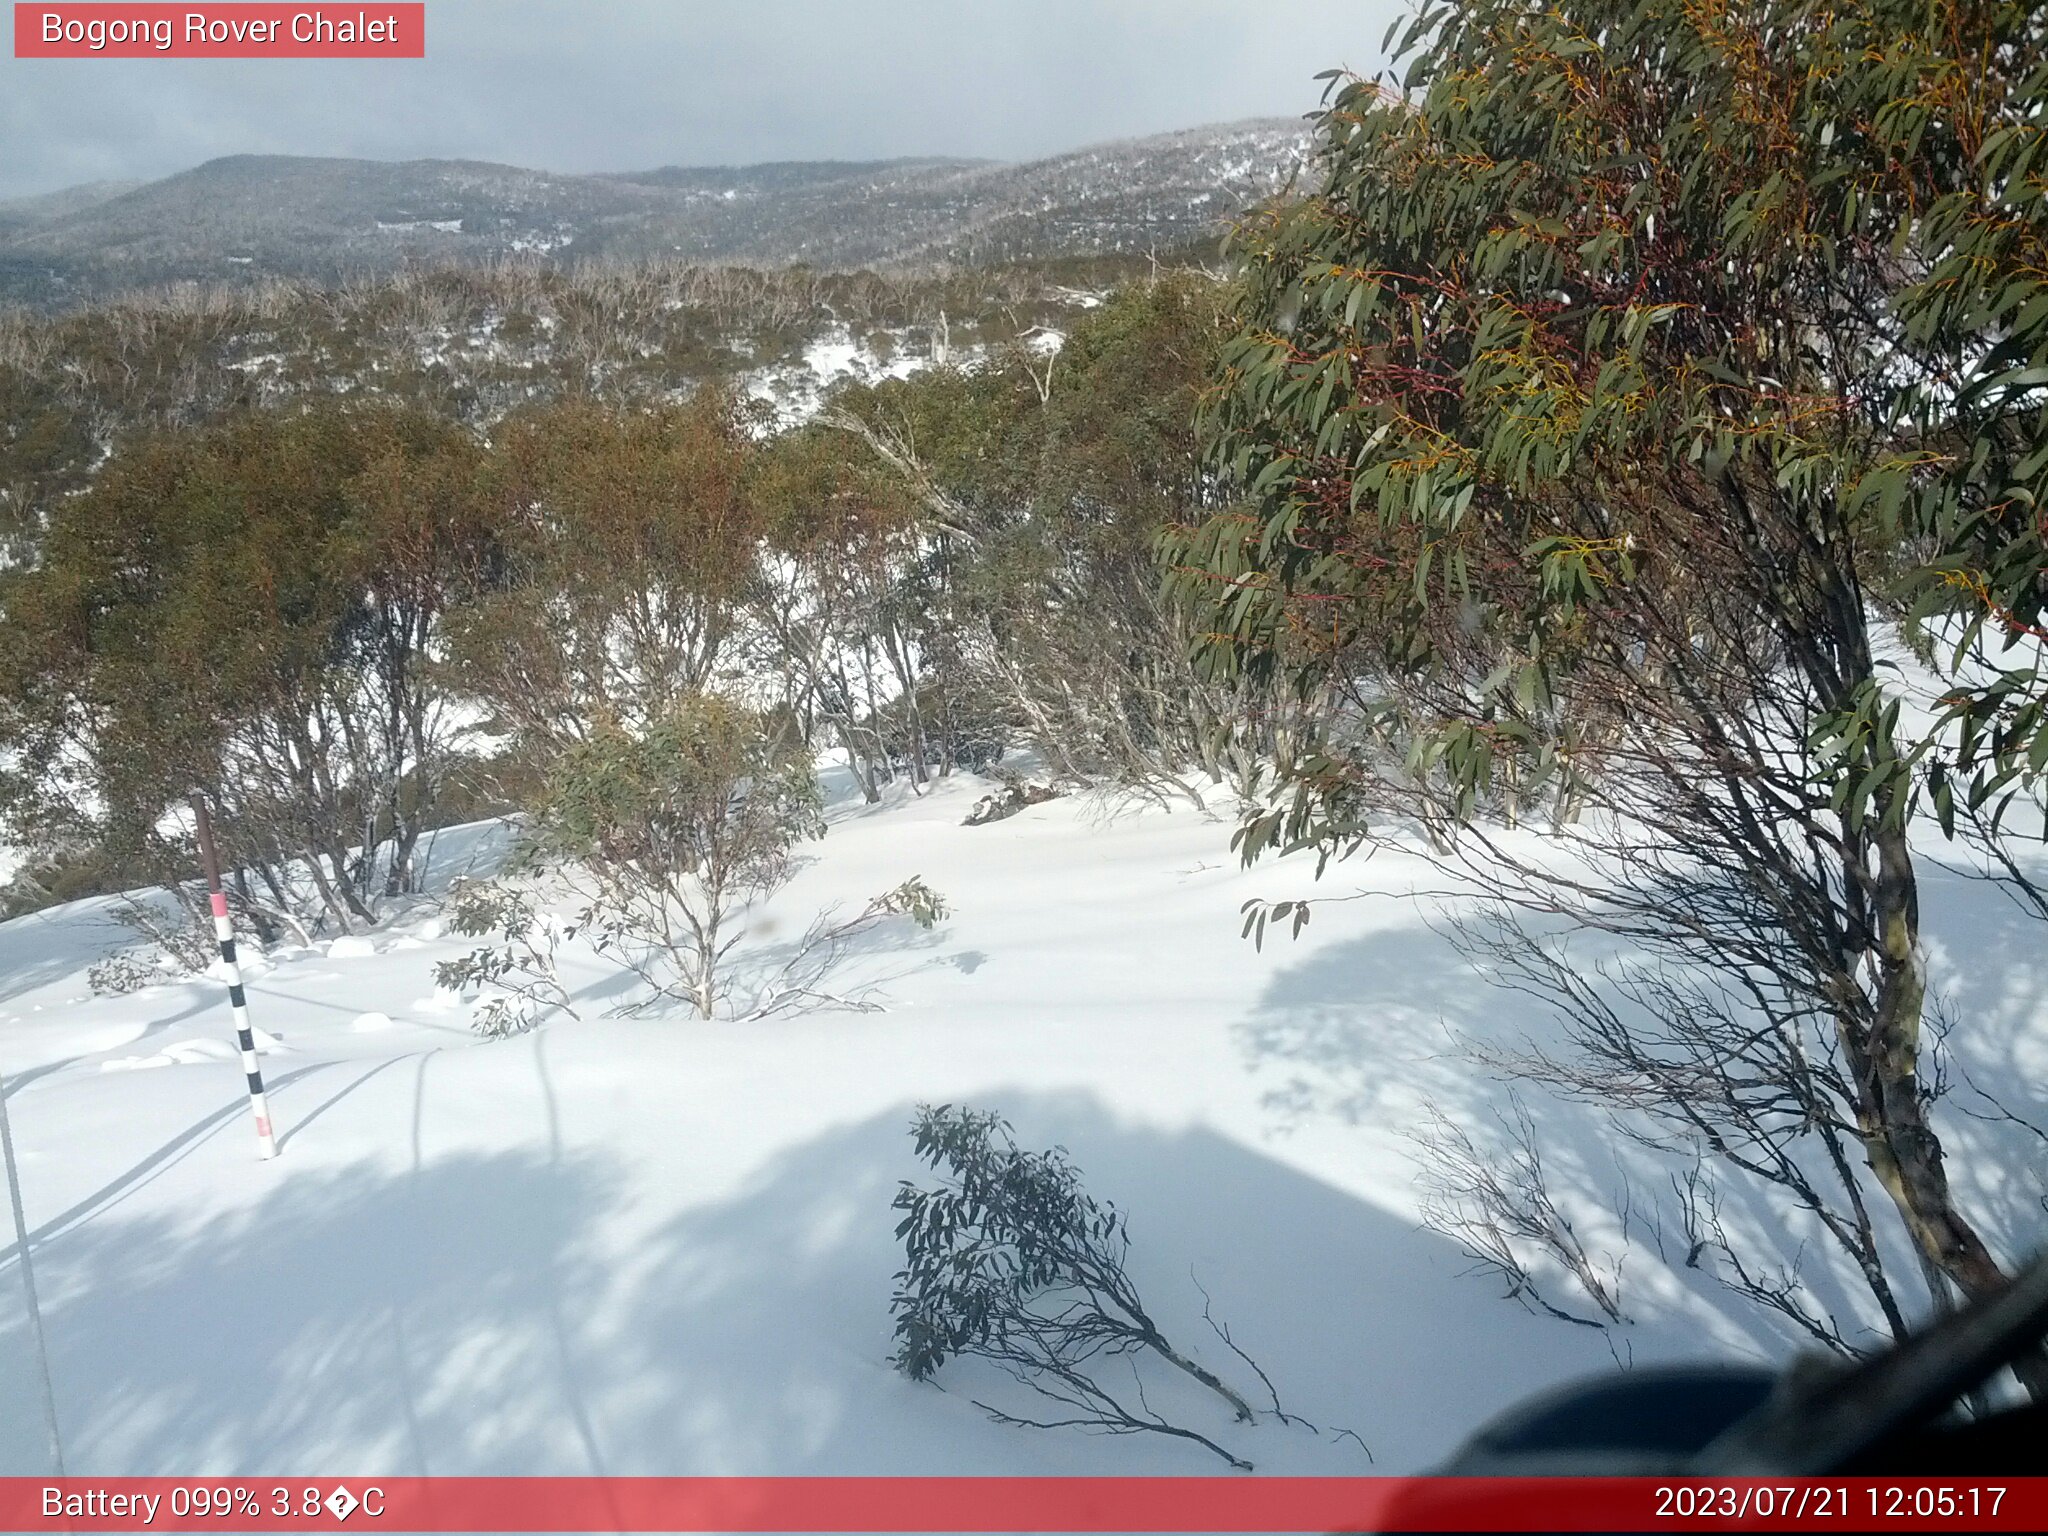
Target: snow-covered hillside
{"type": "Point", "coordinates": [251, 218]}
{"type": "Point", "coordinates": [661, 1246]}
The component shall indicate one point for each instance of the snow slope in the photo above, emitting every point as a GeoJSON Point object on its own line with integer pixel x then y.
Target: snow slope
{"type": "Point", "coordinates": [659, 1246]}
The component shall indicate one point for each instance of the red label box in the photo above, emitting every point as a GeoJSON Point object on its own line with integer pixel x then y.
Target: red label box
{"type": "Point", "coordinates": [370, 30]}
{"type": "Point", "coordinates": [162, 1505]}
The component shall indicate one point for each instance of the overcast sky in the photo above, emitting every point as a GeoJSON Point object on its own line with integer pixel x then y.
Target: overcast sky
{"type": "Point", "coordinates": [590, 85]}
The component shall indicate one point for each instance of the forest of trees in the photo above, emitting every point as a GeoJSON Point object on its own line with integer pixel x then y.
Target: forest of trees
{"type": "Point", "coordinates": [1619, 475]}
{"type": "Point", "coordinates": [348, 619]}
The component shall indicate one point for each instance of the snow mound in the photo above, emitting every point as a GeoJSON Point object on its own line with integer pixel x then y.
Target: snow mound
{"type": "Point", "coordinates": [188, 1053]}
{"type": "Point", "coordinates": [113, 1039]}
{"type": "Point", "coordinates": [181, 1053]}
{"type": "Point", "coordinates": [350, 947]}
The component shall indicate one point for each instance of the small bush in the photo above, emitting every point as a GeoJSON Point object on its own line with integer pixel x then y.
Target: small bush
{"type": "Point", "coordinates": [673, 834]}
{"type": "Point", "coordinates": [118, 975]}
{"type": "Point", "coordinates": [517, 972]}
{"type": "Point", "coordinates": [915, 900]}
{"type": "Point", "coordinates": [178, 944]}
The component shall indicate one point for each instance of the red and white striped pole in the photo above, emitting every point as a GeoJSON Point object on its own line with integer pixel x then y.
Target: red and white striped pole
{"type": "Point", "coordinates": [223, 930]}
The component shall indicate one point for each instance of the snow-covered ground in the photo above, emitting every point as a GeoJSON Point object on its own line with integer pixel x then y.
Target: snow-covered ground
{"type": "Point", "coordinates": [796, 390]}
{"type": "Point", "coordinates": [663, 1246]}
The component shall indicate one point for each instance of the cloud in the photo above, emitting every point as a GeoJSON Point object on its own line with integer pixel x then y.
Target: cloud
{"type": "Point", "coordinates": [591, 85]}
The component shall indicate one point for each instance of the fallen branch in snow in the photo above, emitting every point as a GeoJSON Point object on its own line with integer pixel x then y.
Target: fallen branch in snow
{"type": "Point", "coordinates": [1011, 1262]}
{"type": "Point", "coordinates": [1100, 1414]}
{"type": "Point", "coordinates": [1222, 1331]}
{"type": "Point", "coordinates": [1007, 802]}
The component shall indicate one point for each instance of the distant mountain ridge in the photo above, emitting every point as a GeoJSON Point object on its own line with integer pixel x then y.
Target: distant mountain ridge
{"type": "Point", "coordinates": [248, 217]}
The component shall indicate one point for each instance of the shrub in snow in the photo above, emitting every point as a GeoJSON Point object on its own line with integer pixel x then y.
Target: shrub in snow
{"type": "Point", "coordinates": [912, 899]}
{"type": "Point", "coordinates": [516, 971]}
{"type": "Point", "coordinates": [500, 1017]}
{"type": "Point", "coordinates": [798, 981]}
{"type": "Point", "coordinates": [250, 609]}
{"type": "Point", "coordinates": [118, 975]}
{"type": "Point", "coordinates": [1009, 1260]}
{"type": "Point", "coordinates": [668, 837]}
{"type": "Point", "coordinates": [177, 946]}
{"type": "Point", "coordinates": [1493, 1198]}
{"type": "Point", "coordinates": [633, 548]}
{"type": "Point", "coordinates": [672, 833]}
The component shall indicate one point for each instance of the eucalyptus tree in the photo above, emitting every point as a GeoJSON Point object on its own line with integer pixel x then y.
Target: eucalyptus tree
{"type": "Point", "coordinates": [250, 610]}
{"type": "Point", "coordinates": [1632, 369]}
{"type": "Point", "coordinates": [628, 550]}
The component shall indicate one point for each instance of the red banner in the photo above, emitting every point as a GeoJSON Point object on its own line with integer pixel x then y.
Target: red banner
{"type": "Point", "coordinates": [1010, 1504]}
{"type": "Point", "coordinates": [215, 31]}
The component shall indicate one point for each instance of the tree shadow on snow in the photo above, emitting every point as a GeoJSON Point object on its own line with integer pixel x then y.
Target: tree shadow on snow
{"type": "Point", "coordinates": [1348, 1027]}
{"type": "Point", "coordinates": [1366, 1030]}
{"type": "Point", "coordinates": [513, 1312]}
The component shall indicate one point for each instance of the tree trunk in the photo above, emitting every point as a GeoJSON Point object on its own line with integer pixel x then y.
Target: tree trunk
{"type": "Point", "coordinates": [1904, 1150]}
{"type": "Point", "coordinates": [330, 899]}
{"type": "Point", "coordinates": [1205, 1376]}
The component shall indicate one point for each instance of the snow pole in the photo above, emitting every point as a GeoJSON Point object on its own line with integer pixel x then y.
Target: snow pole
{"type": "Point", "coordinates": [223, 930]}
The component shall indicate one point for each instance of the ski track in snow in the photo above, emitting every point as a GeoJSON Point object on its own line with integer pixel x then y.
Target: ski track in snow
{"type": "Point", "coordinates": [662, 1246]}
